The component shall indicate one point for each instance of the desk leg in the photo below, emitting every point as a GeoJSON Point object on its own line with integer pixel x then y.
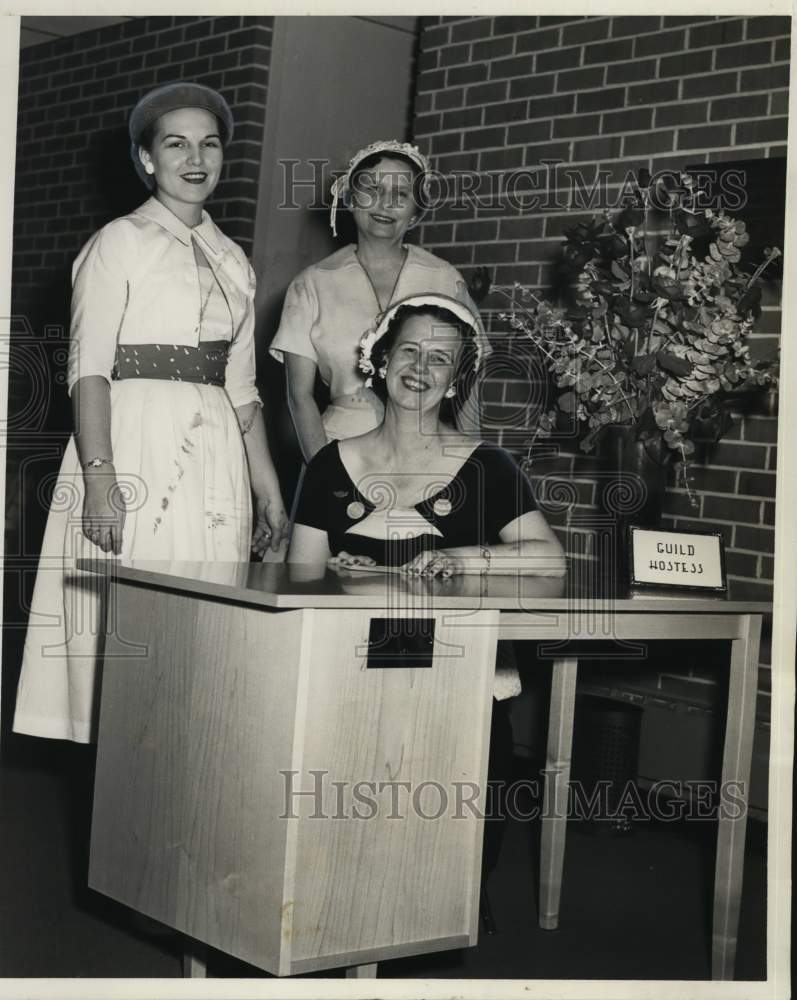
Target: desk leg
{"type": "Point", "coordinates": [195, 960]}
{"type": "Point", "coordinates": [732, 829]}
{"type": "Point", "coordinates": [555, 797]}
{"type": "Point", "coordinates": [362, 971]}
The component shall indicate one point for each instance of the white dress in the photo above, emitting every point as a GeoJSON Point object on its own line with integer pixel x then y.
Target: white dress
{"type": "Point", "coordinates": [180, 459]}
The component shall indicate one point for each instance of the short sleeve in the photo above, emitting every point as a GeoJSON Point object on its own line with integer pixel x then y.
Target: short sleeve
{"type": "Point", "coordinates": [239, 378]}
{"type": "Point", "coordinates": [100, 291]}
{"type": "Point", "coordinates": [313, 506]}
{"type": "Point", "coordinates": [507, 490]}
{"type": "Point", "coordinates": [299, 315]}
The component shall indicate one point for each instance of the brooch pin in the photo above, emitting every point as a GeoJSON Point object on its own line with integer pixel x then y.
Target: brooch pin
{"type": "Point", "coordinates": [442, 506]}
{"type": "Point", "coordinates": [355, 510]}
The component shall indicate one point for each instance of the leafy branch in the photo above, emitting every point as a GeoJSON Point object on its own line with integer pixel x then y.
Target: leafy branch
{"type": "Point", "coordinates": [657, 334]}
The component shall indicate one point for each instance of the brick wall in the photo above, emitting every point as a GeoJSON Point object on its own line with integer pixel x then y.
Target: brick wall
{"type": "Point", "coordinates": [498, 95]}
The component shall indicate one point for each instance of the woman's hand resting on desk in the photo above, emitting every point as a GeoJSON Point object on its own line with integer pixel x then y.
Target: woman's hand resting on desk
{"type": "Point", "coordinates": [442, 564]}
{"type": "Point", "coordinates": [426, 564]}
{"type": "Point", "coordinates": [345, 560]}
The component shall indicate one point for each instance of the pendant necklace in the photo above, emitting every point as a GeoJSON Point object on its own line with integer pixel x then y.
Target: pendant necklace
{"type": "Point", "coordinates": [405, 251]}
{"type": "Point", "coordinates": [203, 264]}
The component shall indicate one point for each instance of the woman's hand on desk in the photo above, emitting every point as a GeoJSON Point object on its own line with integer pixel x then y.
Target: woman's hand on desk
{"type": "Point", "coordinates": [344, 560]}
{"type": "Point", "coordinates": [426, 564]}
{"type": "Point", "coordinates": [443, 564]}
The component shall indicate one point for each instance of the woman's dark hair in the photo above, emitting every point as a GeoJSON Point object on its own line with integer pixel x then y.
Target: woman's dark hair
{"type": "Point", "coordinates": [147, 136]}
{"type": "Point", "coordinates": [370, 162]}
{"type": "Point", "coordinates": [464, 374]}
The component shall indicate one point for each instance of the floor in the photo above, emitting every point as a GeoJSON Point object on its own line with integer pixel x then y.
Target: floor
{"type": "Point", "coordinates": [633, 907]}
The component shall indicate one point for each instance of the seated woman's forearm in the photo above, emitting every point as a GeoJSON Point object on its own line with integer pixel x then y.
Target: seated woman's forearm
{"type": "Point", "coordinates": [533, 557]}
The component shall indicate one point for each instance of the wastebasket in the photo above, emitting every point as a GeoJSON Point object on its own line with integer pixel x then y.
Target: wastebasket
{"type": "Point", "coordinates": [605, 764]}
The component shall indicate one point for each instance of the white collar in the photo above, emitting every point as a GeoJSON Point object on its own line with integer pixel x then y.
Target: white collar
{"type": "Point", "coordinates": [207, 231]}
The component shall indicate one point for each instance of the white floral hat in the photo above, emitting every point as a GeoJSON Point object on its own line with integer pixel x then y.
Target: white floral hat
{"type": "Point", "coordinates": [459, 309]}
{"type": "Point", "coordinates": [342, 184]}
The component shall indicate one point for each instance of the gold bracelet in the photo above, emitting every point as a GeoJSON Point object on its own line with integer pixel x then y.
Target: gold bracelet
{"type": "Point", "coordinates": [95, 463]}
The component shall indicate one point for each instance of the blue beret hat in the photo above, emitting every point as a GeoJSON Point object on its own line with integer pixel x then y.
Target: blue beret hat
{"type": "Point", "coordinates": [170, 97]}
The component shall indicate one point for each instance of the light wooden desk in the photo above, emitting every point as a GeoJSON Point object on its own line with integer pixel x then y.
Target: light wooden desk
{"type": "Point", "coordinates": [542, 611]}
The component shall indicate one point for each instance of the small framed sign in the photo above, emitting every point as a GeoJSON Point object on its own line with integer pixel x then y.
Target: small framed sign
{"type": "Point", "coordinates": [682, 560]}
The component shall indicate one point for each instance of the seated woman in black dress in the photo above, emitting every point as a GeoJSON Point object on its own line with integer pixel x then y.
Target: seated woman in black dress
{"type": "Point", "coordinates": [415, 492]}
{"type": "Point", "coordinates": [418, 494]}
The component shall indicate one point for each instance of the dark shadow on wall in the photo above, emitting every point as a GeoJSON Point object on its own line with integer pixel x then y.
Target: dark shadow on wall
{"type": "Point", "coordinates": [111, 178]}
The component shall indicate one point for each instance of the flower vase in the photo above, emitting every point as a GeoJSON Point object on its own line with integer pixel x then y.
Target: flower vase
{"type": "Point", "coordinates": [632, 491]}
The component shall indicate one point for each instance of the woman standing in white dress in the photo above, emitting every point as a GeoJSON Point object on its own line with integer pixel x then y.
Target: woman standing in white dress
{"type": "Point", "coordinates": [169, 439]}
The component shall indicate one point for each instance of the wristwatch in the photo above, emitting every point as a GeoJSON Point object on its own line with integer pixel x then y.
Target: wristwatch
{"type": "Point", "coordinates": [95, 463]}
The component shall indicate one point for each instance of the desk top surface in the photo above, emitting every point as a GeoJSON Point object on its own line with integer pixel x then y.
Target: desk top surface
{"type": "Point", "coordinates": [281, 586]}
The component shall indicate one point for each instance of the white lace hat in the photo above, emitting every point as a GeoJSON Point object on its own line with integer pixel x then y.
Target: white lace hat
{"type": "Point", "coordinates": [463, 313]}
{"type": "Point", "coordinates": [342, 184]}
